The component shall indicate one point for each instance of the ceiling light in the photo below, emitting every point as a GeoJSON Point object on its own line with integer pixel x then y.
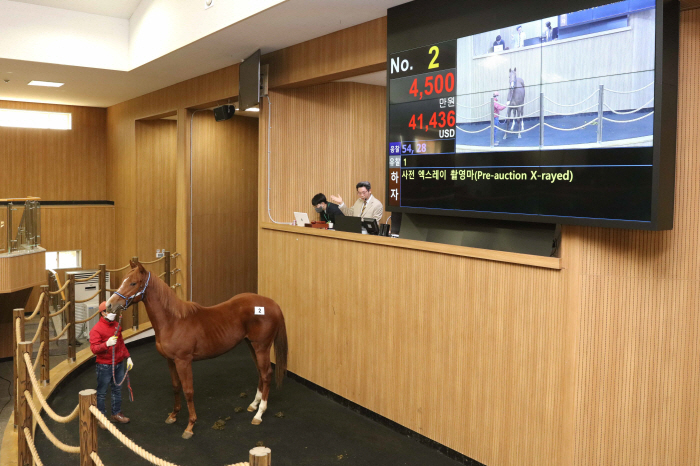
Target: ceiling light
{"type": "Point", "coordinates": [34, 119]}
{"type": "Point", "coordinates": [252, 109]}
{"type": "Point", "coordinates": [45, 83]}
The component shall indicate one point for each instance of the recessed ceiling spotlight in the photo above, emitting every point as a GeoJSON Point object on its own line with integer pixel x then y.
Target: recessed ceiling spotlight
{"type": "Point", "coordinates": [45, 83]}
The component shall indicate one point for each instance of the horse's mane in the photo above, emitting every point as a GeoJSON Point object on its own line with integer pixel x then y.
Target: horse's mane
{"type": "Point", "coordinates": [169, 300]}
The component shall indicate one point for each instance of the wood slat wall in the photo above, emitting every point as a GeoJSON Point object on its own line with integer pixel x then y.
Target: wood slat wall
{"type": "Point", "coordinates": [224, 207]}
{"type": "Point", "coordinates": [55, 165]}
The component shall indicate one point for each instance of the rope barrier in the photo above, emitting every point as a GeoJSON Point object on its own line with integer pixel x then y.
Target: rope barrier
{"type": "Point", "coordinates": [61, 311]}
{"type": "Point", "coordinates": [174, 255]}
{"type": "Point", "coordinates": [175, 285]}
{"type": "Point", "coordinates": [88, 299]}
{"type": "Point", "coordinates": [32, 447]}
{"type": "Point", "coordinates": [82, 280]}
{"type": "Point", "coordinates": [458, 104]}
{"type": "Point", "coordinates": [629, 92]}
{"type": "Point", "coordinates": [38, 331]}
{"type": "Point", "coordinates": [572, 113]}
{"type": "Point", "coordinates": [517, 132]}
{"type": "Point", "coordinates": [38, 356]}
{"type": "Point", "coordinates": [17, 331]}
{"type": "Point", "coordinates": [118, 270]}
{"type": "Point", "coordinates": [65, 285]}
{"type": "Point", "coordinates": [60, 334]}
{"type": "Point", "coordinates": [52, 414]}
{"type": "Point", "coordinates": [631, 111]}
{"type": "Point", "coordinates": [488, 115]}
{"type": "Point", "coordinates": [571, 105]}
{"type": "Point", "coordinates": [56, 442]}
{"type": "Point", "coordinates": [112, 290]}
{"type": "Point", "coordinates": [96, 459]}
{"type": "Point", "coordinates": [628, 121]}
{"type": "Point", "coordinates": [162, 274]}
{"type": "Point", "coordinates": [571, 129]}
{"type": "Point", "coordinates": [36, 310]}
{"type": "Point", "coordinates": [473, 132]}
{"type": "Point", "coordinates": [152, 262]}
{"type": "Point", "coordinates": [89, 318]}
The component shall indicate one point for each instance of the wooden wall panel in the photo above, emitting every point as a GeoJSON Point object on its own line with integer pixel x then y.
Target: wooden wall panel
{"type": "Point", "coordinates": [55, 165]}
{"type": "Point", "coordinates": [224, 207]}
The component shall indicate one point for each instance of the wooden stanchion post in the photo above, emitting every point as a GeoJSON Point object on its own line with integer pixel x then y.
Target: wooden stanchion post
{"type": "Point", "coordinates": [24, 454]}
{"type": "Point", "coordinates": [103, 283]}
{"type": "Point", "coordinates": [166, 277]}
{"type": "Point", "coordinates": [70, 318]}
{"type": "Point", "coordinates": [88, 427]}
{"type": "Point", "coordinates": [17, 314]}
{"type": "Point", "coordinates": [45, 361]}
{"type": "Point", "coordinates": [260, 456]}
{"type": "Point", "coordinates": [135, 307]}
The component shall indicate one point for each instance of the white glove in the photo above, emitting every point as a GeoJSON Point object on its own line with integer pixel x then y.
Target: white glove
{"type": "Point", "coordinates": [112, 341]}
{"type": "Point", "coordinates": [129, 364]}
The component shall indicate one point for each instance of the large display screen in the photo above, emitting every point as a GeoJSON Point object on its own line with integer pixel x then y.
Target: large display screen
{"type": "Point", "coordinates": [546, 120]}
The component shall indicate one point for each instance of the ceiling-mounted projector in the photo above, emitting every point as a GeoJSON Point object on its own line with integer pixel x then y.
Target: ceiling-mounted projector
{"type": "Point", "coordinates": [224, 112]}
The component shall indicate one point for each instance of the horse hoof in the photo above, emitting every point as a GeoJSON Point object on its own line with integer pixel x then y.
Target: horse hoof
{"type": "Point", "coordinates": [170, 420]}
{"type": "Point", "coordinates": [256, 421]}
{"type": "Point", "coordinates": [251, 409]}
{"type": "Point", "coordinates": [187, 435]}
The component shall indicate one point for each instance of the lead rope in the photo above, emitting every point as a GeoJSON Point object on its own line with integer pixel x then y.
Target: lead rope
{"type": "Point", "coordinates": [126, 373]}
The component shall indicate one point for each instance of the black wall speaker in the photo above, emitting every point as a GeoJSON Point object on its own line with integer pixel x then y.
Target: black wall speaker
{"type": "Point", "coordinates": [224, 112]}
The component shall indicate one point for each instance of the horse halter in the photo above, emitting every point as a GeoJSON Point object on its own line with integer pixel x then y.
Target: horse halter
{"type": "Point", "coordinates": [142, 293]}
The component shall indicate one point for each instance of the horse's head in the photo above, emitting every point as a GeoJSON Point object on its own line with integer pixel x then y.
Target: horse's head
{"type": "Point", "coordinates": [512, 77]}
{"type": "Point", "coordinates": [132, 289]}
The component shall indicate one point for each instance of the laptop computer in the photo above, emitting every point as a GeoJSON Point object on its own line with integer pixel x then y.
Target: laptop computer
{"type": "Point", "coordinates": [349, 224]}
{"type": "Point", "coordinates": [302, 218]}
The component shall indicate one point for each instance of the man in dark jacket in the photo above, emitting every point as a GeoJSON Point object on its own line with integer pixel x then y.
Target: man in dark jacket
{"type": "Point", "coordinates": [328, 210]}
{"type": "Point", "coordinates": [104, 339]}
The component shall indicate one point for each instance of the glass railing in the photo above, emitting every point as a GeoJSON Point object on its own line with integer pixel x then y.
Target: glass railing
{"type": "Point", "coordinates": [20, 225]}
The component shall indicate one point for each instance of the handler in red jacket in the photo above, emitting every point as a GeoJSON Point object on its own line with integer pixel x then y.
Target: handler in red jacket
{"type": "Point", "coordinates": [102, 341]}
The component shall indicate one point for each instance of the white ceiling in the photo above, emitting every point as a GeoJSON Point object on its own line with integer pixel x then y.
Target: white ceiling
{"type": "Point", "coordinates": [377, 78]}
{"type": "Point", "coordinates": [113, 8]}
{"type": "Point", "coordinates": [286, 24]}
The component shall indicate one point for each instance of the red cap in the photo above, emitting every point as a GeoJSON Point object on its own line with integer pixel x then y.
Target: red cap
{"type": "Point", "coordinates": [103, 306]}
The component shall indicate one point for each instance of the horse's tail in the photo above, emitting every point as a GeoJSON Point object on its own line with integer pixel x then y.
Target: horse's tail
{"type": "Point", "coordinates": [280, 352]}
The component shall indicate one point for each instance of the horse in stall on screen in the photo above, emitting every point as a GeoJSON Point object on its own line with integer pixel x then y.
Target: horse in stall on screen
{"type": "Point", "coordinates": [186, 332]}
{"type": "Point", "coordinates": [516, 101]}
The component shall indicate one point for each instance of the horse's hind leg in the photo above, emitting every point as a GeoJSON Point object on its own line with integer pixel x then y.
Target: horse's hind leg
{"type": "Point", "coordinates": [258, 394]}
{"type": "Point", "coordinates": [177, 387]}
{"type": "Point", "coordinates": [265, 369]}
{"type": "Point", "coordinates": [184, 370]}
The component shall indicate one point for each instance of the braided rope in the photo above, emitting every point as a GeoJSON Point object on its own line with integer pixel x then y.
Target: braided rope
{"type": "Point", "coordinates": [475, 118]}
{"type": "Point", "coordinates": [81, 280]}
{"type": "Point", "coordinates": [572, 129]}
{"type": "Point", "coordinates": [112, 290]}
{"type": "Point", "coordinates": [467, 106]}
{"type": "Point", "coordinates": [61, 311]}
{"type": "Point", "coordinates": [60, 334]}
{"type": "Point", "coordinates": [36, 310]}
{"type": "Point", "coordinates": [38, 356]}
{"type": "Point", "coordinates": [628, 121]}
{"type": "Point", "coordinates": [572, 113]}
{"type": "Point", "coordinates": [57, 443]}
{"type": "Point", "coordinates": [174, 255]}
{"type": "Point", "coordinates": [38, 331]}
{"type": "Point", "coordinates": [52, 414]}
{"type": "Point", "coordinates": [629, 92]}
{"type": "Point", "coordinates": [118, 270]}
{"type": "Point", "coordinates": [175, 285]}
{"type": "Point", "coordinates": [631, 111]}
{"type": "Point", "coordinates": [89, 318]}
{"type": "Point", "coordinates": [517, 132]}
{"type": "Point", "coordinates": [162, 274]}
{"type": "Point", "coordinates": [153, 262]}
{"type": "Point", "coordinates": [96, 459]}
{"type": "Point", "coordinates": [571, 105]}
{"type": "Point", "coordinates": [17, 331]}
{"type": "Point", "coordinates": [473, 132]}
{"type": "Point", "coordinates": [88, 299]}
{"type": "Point", "coordinates": [65, 285]}
{"type": "Point", "coordinates": [32, 447]}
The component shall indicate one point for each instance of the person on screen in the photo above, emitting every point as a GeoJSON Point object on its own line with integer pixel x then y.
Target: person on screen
{"type": "Point", "coordinates": [518, 38]}
{"type": "Point", "coordinates": [497, 107]}
{"type": "Point", "coordinates": [499, 42]}
{"type": "Point", "coordinates": [547, 32]}
{"type": "Point", "coordinates": [366, 206]}
{"type": "Point", "coordinates": [327, 210]}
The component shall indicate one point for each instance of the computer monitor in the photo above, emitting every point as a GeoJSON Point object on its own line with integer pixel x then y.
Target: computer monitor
{"type": "Point", "coordinates": [371, 225]}
{"type": "Point", "coordinates": [349, 224]}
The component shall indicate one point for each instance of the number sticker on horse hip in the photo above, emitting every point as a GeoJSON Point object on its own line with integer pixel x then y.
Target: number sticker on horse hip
{"type": "Point", "coordinates": [259, 311]}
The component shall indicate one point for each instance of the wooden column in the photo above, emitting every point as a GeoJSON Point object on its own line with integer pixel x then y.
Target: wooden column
{"type": "Point", "coordinates": [135, 306]}
{"type": "Point", "coordinates": [103, 283]}
{"type": "Point", "coordinates": [45, 361]}
{"type": "Point", "coordinates": [24, 454]}
{"type": "Point", "coordinates": [17, 314]}
{"type": "Point", "coordinates": [88, 427]}
{"type": "Point", "coordinates": [166, 277]}
{"type": "Point", "coordinates": [70, 318]}
{"type": "Point", "coordinates": [260, 456]}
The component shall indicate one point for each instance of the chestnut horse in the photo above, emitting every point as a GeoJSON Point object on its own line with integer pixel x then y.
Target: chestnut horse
{"type": "Point", "coordinates": [186, 332]}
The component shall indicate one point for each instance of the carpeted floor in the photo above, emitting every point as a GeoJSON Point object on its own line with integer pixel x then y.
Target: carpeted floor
{"type": "Point", "coordinates": [315, 430]}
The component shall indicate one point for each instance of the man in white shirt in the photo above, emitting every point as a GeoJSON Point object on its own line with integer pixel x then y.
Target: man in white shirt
{"type": "Point", "coordinates": [366, 206]}
{"type": "Point", "coordinates": [519, 38]}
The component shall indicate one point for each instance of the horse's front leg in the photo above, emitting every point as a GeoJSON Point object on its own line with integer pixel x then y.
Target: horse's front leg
{"type": "Point", "coordinates": [522, 126]}
{"type": "Point", "coordinates": [177, 387]}
{"type": "Point", "coordinates": [184, 371]}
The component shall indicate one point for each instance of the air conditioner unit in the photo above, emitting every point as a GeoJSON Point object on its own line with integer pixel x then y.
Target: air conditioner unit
{"type": "Point", "coordinates": [84, 290]}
